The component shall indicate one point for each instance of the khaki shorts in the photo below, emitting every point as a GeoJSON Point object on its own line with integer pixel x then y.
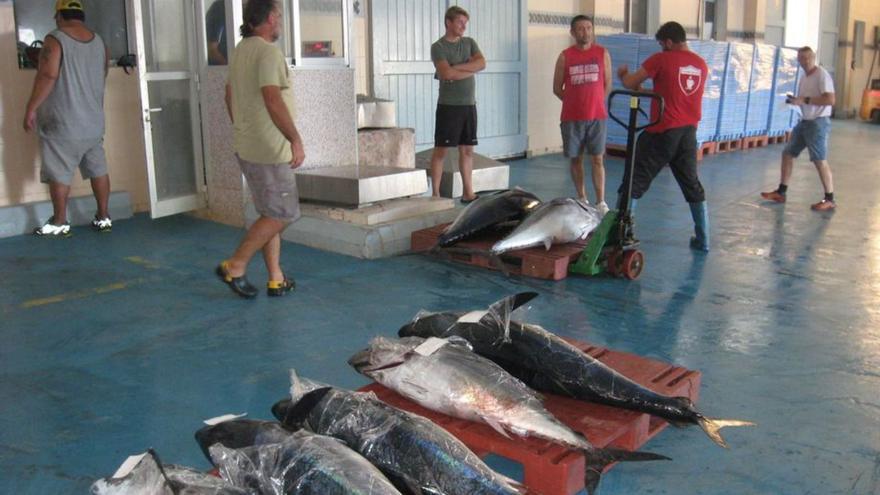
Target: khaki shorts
{"type": "Point", "coordinates": [60, 157]}
{"type": "Point", "coordinates": [273, 188]}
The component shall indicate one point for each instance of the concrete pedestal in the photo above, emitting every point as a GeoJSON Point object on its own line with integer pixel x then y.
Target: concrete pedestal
{"type": "Point", "coordinates": [387, 147]}
{"type": "Point", "coordinates": [488, 174]}
{"type": "Point", "coordinates": [353, 185]}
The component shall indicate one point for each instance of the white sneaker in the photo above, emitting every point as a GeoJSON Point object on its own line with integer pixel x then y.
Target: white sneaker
{"type": "Point", "coordinates": [102, 224]}
{"type": "Point", "coordinates": [49, 229]}
{"type": "Point", "coordinates": [602, 208]}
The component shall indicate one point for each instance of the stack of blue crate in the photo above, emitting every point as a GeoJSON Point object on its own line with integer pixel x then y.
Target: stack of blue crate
{"type": "Point", "coordinates": [781, 116]}
{"type": "Point", "coordinates": [624, 50]}
{"type": "Point", "coordinates": [647, 47]}
{"type": "Point", "coordinates": [760, 90]}
{"type": "Point", "coordinates": [715, 54]}
{"type": "Point", "coordinates": [735, 94]}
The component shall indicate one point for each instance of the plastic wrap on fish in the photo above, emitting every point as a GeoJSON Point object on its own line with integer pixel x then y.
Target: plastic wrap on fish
{"type": "Point", "coordinates": [760, 89]}
{"type": "Point", "coordinates": [150, 477]}
{"type": "Point", "coordinates": [735, 95]}
{"type": "Point", "coordinates": [305, 464]}
{"type": "Point", "coordinates": [414, 453]}
{"type": "Point", "coordinates": [715, 54]}
{"type": "Point", "coordinates": [556, 222]}
{"type": "Point", "coordinates": [239, 433]}
{"type": "Point", "coordinates": [785, 76]}
{"type": "Point", "coordinates": [548, 363]}
{"type": "Point", "coordinates": [445, 375]}
{"type": "Point", "coordinates": [489, 210]}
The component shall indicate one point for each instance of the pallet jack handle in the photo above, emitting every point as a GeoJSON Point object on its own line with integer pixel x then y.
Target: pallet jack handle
{"type": "Point", "coordinates": [632, 128]}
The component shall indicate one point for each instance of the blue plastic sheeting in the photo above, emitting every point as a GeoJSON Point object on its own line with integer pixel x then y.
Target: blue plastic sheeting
{"type": "Point", "coordinates": [782, 118]}
{"type": "Point", "coordinates": [760, 89]}
{"type": "Point", "coordinates": [624, 49]}
{"type": "Point", "coordinates": [715, 54]}
{"type": "Point", "coordinates": [735, 95]}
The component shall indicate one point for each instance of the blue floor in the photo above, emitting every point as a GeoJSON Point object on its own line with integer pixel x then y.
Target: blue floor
{"type": "Point", "coordinates": [115, 343]}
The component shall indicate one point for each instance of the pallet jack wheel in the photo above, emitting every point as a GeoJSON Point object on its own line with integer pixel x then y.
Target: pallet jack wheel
{"type": "Point", "coordinates": [633, 262]}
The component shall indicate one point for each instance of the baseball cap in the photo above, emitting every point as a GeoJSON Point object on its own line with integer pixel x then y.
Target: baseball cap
{"type": "Point", "coordinates": [69, 5]}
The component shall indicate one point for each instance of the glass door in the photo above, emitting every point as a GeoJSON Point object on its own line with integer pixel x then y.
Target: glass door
{"type": "Point", "coordinates": [169, 86]}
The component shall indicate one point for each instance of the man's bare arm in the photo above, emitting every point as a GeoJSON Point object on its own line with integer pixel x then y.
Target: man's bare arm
{"type": "Point", "coordinates": [280, 115]}
{"type": "Point", "coordinates": [228, 99]}
{"type": "Point", "coordinates": [559, 76]}
{"type": "Point", "coordinates": [632, 80]}
{"type": "Point", "coordinates": [448, 73]}
{"type": "Point", "coordinates": [475, 64]}
{"type": "Point", "coordinates": [608, 77]}
{"type": "Point", "coordinates": [47, 74]}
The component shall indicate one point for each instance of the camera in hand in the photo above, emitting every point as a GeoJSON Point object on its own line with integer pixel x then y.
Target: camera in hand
{"type": "Point", "coordinates": [788, 98]}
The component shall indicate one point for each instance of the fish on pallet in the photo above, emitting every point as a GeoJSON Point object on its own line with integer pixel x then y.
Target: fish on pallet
{"type": "Point", "coordinates": [148, 476]}
{"type": "Point", "coordinates": [239, 433]}
{"type": "Point", "coordinates": [548, 363]}
{"type": "Point", "coordinates": [418, 456]}
{"type": "Point", "coordinates": [556, 222]}
{"type": "Point", "coordinates": [445, 375]}
{"type": "Point", "coordinates": [303, 463]}
{"type": "Point", "coordinates": [487, 211]}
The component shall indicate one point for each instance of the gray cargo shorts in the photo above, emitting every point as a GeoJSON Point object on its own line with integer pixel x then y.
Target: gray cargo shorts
{"type": "Point", "coordinates": [60, 157]}
{"type": "Point", "coordinates": [581, 136]}
{"type": "Point", "coordinates": [273, 188]}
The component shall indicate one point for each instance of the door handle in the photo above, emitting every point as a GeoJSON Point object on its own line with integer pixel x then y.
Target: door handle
{"type": "Point", "coordinates": [155, 110]}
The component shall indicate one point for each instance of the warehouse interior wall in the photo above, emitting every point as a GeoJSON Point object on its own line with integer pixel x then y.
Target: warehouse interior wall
{"type": "Point", "coordinates": [852, 80]}
{"type": "Point", "coordinates": [19, 154]}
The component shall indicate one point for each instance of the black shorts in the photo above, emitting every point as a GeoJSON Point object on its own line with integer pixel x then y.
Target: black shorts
{"type": "Point", "coordinates": [455, 125]}
{"type": "Point", "coordinates": [674, 147]}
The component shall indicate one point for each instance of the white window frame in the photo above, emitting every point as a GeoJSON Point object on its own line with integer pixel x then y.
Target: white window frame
{"type": "Point", "coordinates": [322, 62]}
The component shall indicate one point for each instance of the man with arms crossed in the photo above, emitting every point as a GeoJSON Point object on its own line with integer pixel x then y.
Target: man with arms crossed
{"type": "Point", "coordinates": [456, 58]}
{"type": "Point", "coordinates": [267, 145]}
{"type": "Point", "coordinates": [582, 81]}
{"type": "Point", "coordinates": [815, 98]}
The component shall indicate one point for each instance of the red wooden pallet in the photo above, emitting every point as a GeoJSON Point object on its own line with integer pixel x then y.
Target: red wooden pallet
{"type": "Point", "coordinates": [755, 142]}
{"type": "Point", "coordinates": [782, 138]}
{"type": "Point", "coordinates": [533, 262]}
{"type": "Point", "coordinates": [548, 468]}
{"type": "Point", "coordinates": [729, 145]}
{"type": "Point", "coordinates": [708, 148]}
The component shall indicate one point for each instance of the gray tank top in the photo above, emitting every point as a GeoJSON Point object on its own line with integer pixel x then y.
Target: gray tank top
{"type": "Point", "coordinates": [75, 107]}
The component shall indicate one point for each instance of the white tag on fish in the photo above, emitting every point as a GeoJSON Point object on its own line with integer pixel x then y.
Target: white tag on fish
{"type": "Point", "coordinates": [473, 316]}
{"type": "Point", "coordinates": [430, 346]}
{"type": "Point", "coordinates": [128, 465]}
{"type": "Point", "coordinates": [223, 419]}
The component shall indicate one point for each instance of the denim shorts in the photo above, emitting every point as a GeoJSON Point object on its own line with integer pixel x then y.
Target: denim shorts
{"type": "Point", "coordinates": [579, 136]}
{"type": "Point", "coordinates": [813, 135]}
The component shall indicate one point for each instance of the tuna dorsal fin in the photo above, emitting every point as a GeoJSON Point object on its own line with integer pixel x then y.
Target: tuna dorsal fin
{"type": "Point", "coordinates": [547, 243]}
{"type": "Point", "coordinates": [511, 303]}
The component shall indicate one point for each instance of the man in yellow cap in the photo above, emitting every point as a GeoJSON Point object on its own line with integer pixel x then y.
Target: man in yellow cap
{"type": "Point", "coordinates": [66, 108]}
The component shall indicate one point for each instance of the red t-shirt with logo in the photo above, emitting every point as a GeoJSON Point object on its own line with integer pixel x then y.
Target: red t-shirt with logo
{"type": "Point", "coordinates": [679, 77]}
{"type": "Point", "coordinates": [583, 96]}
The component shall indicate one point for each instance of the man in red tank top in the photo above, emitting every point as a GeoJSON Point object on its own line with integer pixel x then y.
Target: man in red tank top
{"type": "Point", "coordinates": [679, 76]}
{"type": "Point", "coordinates": [582, 80]}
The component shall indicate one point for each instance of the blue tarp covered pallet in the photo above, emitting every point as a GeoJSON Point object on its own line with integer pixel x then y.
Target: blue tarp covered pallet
{"type": "Point", "coordinates": [760, 90]}
{"type": "Point", "coordinates": [715, 54]}
{"type": "Point", "coordinates": [735, 93]}
{"type": "Point", "coordinates": [624, 50]}
{"type": "Point", "coordinates": [781, 118]}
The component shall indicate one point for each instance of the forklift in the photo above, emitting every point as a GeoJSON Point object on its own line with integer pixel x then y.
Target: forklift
{"type": "Point", "coordinates": [612, 247]}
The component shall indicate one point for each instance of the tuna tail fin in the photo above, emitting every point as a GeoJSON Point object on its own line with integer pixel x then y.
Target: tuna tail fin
{"type": "Point", "coordinates": [175, 489]}
{"type": "Point", "coordinates": [294, 414]}
{"type": "Point", "coordinates": [596, 460]}
{"type": "Point", "coordinates": [712, 426]}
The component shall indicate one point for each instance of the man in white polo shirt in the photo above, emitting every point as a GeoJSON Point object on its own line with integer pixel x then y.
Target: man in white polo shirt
{"type": "Point", "coordinates": [815, 99]}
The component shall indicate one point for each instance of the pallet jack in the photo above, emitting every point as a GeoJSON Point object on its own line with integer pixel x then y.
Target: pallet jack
{"type": "Point", "coordinates": [612, 247]}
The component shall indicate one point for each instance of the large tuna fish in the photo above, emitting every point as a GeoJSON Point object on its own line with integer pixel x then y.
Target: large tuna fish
{"type": "Point", "coordinates": [549, 364]}
{"type": "Point", "coordinates": [420, 457]}
{"type": "Point", "coordinates": [557, 222]}
{"type": "Point", "coordinates": [304, 463]}
{"type": "Point", "coordinates": [150, 477]}
{"type": "Point", "coordinates": [446, 376]}
{"type": "Point", "coordinates": [489, 210]}
{"type": "Point", "coordinates": [240, 433]}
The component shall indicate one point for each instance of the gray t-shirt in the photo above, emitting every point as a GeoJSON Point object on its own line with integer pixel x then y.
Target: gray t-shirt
{"type": "Point", "coordinates": [455, 92]}
{"type": "Point", "coordinates": [75, 107]}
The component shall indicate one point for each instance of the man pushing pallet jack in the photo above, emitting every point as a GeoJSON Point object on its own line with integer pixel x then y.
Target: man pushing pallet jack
{"type": "Point", "coordinates": [679, 76]}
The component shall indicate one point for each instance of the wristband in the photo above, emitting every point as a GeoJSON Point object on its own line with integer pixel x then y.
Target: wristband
{"type": "Point", "coordinates": [807, 100]}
